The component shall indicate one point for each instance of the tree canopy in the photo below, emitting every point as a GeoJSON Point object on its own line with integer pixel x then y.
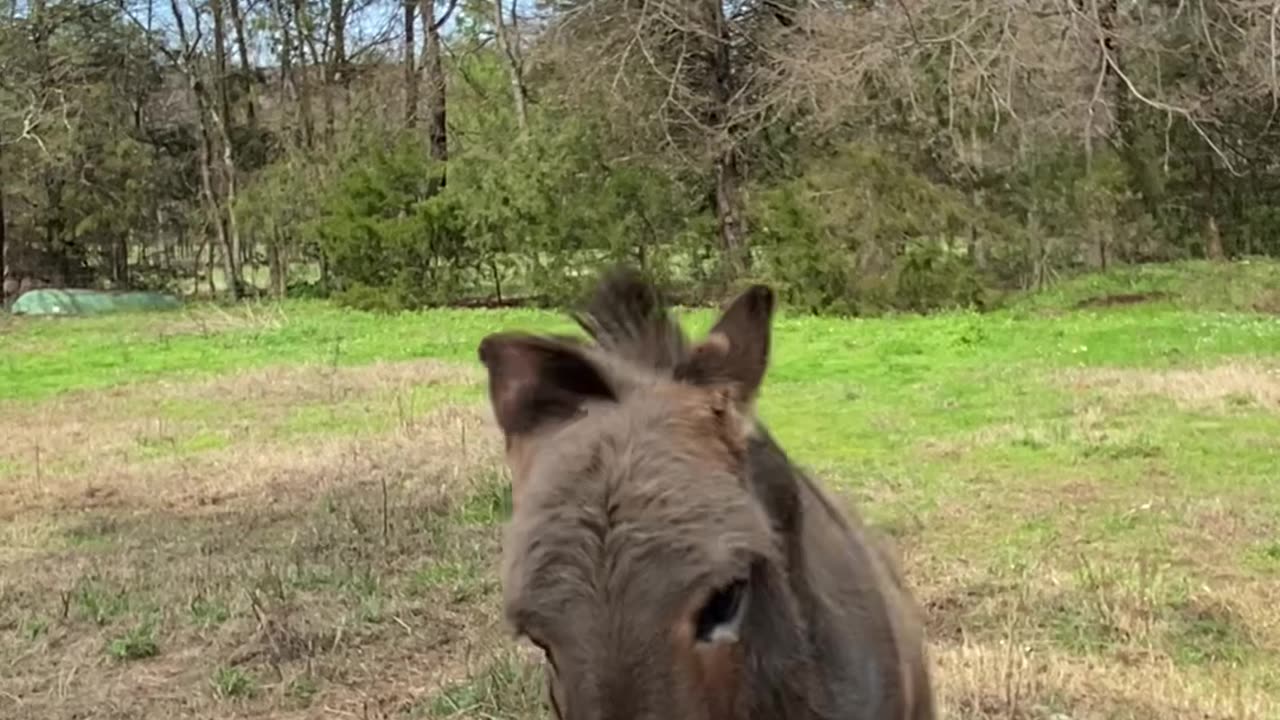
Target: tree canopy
{"type": "Point", "coordinates": [861, 155]}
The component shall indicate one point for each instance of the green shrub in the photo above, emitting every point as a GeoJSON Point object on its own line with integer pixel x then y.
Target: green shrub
{"type": "Point", "coordinates": [862, 233]}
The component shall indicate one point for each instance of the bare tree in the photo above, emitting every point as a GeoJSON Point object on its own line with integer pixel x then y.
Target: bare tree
{"type": "Point", "coordinates": [221, 119]}
{"type": "Point", "coordinates": [293, 65]}
{"type": "Point", "coordinates": [433, 75]}
{"type": "Point", "coordinates": [709, 79]}
{"type": "Point", "coordinates": [410, 66]}
{"type": "Point", "coordinates": [434, 79]}
{"type": "Point", "coordinates": [335, 66]}
{"type": "Point", "coordinates": [508, 46]}
{"type": "Point", "coordinates": [208, 114]}
{"type": "Point", "coordinates": [306, 29]}
{"type": "Point", "coordinates": [4, 238]}
{"type": "Point", "coordinates": [247, 70]}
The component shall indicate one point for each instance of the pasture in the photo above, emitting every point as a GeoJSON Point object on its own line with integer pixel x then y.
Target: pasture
{"type": "Point", "coordinates": [293, 511]}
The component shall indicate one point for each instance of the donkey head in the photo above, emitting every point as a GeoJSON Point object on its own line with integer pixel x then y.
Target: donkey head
{"type": "Point", "coordinates": [642, 557]}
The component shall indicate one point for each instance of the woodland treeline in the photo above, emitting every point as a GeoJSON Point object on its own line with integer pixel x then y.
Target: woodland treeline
{"type": "Point", "coordinates": [860, 155]}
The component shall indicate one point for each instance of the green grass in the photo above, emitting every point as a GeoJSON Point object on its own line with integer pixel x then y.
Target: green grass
{"type": "Point", "coordinates": [136, 644]}
{"type": "Point", "coordinates": [1244, 285]}
{"type": "Point", "coordinates": [230, 682]}
{"type": "Point", "coordinates": [41, 357]}
{"type": "Point", "coordinates": [505, 689]}
{"type": "Point", "coordinates": [1032, 480]}
{"type": "Point", "coordinates": [207, 612]}
{"type": "Point", "coordinates": [46, 357]}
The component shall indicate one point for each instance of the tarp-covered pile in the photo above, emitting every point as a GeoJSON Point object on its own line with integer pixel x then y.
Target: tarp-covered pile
{"type": "Point", "coordinates": [48, 301]}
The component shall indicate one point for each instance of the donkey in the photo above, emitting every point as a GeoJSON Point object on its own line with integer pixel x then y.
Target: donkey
{"type": "Point", "coordinates": [664, 553]}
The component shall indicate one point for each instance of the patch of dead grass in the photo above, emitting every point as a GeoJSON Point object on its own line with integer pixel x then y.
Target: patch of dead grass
{"type": "Point", "coordinates": [212, 320]}
{"type": "Point", "coordinates": [293, 384]}
{"type": "Point", "coordinates": [298, 565]}
{"type": "Point", "coordinates": [448, 442]}
{"type": "Point", "coordinates": [361, 570]}
{"type": "Point", "coordinates": [1009, 680]}
{"type": "Point", "coordinates": [1231, 384]}
{"type": "Point", "coordinates": [299, 562]}
{"type": "Point", "coordinates": [81, 438]}
{"type": "Point", "coordinates": [1268, 302]}
{"type": "Point", "coordinates": [1088, 429]}
{"type": "Point", "coordinates": [1084, 639]}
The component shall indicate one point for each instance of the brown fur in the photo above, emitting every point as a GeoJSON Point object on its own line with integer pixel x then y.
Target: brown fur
{"type": "Point", "coordinates": [645, 489]}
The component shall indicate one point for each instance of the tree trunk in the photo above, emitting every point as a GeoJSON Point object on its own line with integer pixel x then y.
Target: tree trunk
{"type": "Point", "coordinates": [433, 77]}
{"type": "Point", "coordinates": [334, 67]}
{"type": "Point", "coordinates": [220, 59]}
{"type": "Point", "coordinates": [242, 46]}
{"type": "Point", "coordinates": [157, 239]}
{"type": "Point", "coordinates": [1213, 249]}
{"type": "Point", "coordinates": [730, 224]}
{"type": "Point", "coordinates": [1213, 239]}
{"type": "Point", "coordinates": [4, 244]}
{"type": "Point", "coordinates": [120, 261]}
{"type": "Point", "coordinates": [233, 227]}
{"type": "Point", "coordinates": [55, 237]}
{"type": "Point", "coordinates": [213, 208]}
{"type": "Point", "coordinates": [340, 74]}
{"type": "Point", "coordinates": [1120, 130]}
{"type": "Point", "coordinates": [275, 264]}
{"type": "Point", "coordinates": [410, 67]}
{"type": "Point", "coordinates": [307, 41]}
{"type": "Point", "coordinates": [205, 113]}
{"type": "Point", "coordinates": [222, 123]}
{"type": "Point", "coordinates": [338, 33]}
{"type": "Point", "coordinates": [212, 266]}
{"type": "Point", "coordinates": [290, 47]}
{"type": "Point", "coordinates": [515, 66]}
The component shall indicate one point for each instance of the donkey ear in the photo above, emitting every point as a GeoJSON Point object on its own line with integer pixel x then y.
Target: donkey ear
{"type": "Point", "coordinates": [736, 350]}
{"type": "Point", "coordinates": [535, 380]}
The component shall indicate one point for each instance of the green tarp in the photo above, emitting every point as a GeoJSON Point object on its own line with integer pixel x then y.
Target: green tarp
{"type": "Point", "coordinates": [89, 302]}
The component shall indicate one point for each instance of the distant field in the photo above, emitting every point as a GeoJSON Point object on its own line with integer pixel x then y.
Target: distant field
{"type": "Point", "coordinates": [292, 510]}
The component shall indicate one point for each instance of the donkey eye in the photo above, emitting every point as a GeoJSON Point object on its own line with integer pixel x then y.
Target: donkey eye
{"type": "Point", "coordinates": [719, 618]}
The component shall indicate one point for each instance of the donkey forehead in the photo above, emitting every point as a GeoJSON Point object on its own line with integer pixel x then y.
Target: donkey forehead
{"type": "Point", "coordinates": [617, 509]}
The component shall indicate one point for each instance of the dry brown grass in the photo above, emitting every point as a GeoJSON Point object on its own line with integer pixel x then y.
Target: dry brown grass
{"type": "Point", "coordinates": [211, 320]}
{"type": "Point", "coordinates": [341, 575]}
{"type": "Point", "coordinates": [351, 574]}
{"type": "Point", "coordinates": [1100, 641]}
{"type": "Point", "coordinates": [1268, 302]}
{"type": "Point", "coordinates": [132, 446]}
{"type": "Point", "coordinates": [1217, 387]}
{"type": "Point", "coordinates": [1008, 680]}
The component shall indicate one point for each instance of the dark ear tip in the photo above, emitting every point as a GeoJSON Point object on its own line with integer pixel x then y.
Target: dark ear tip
{"type": "Point", "coordinates": [761, 298]}
{"type": "Point", "coordinates": [489, 348]}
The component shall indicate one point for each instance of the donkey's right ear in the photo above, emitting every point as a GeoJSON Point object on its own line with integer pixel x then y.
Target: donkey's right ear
{"type": "Point", "coordinates": [535, 380]}
{"type": "Point", "coordinates": [736, 350]}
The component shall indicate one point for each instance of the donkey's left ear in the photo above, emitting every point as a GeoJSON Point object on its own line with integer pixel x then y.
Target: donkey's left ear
{"type": "Point", "coordinates": [534, 380]}
{"type": "Point", "coordinates": [736, 350]}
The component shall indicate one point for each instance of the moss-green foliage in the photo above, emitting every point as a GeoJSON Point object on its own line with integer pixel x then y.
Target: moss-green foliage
{"type": "Point", "coordinates": [378, 231]}
{"type": "Point", "coordinates": [924, 193]}
{"type": "Point", "coordinates": [516, 216]}
{"type": "Point", "coordinates": [860, 233]}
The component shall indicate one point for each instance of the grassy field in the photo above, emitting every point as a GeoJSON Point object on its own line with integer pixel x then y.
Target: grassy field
{"type": "Point", "coordinates": [292, 510]}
